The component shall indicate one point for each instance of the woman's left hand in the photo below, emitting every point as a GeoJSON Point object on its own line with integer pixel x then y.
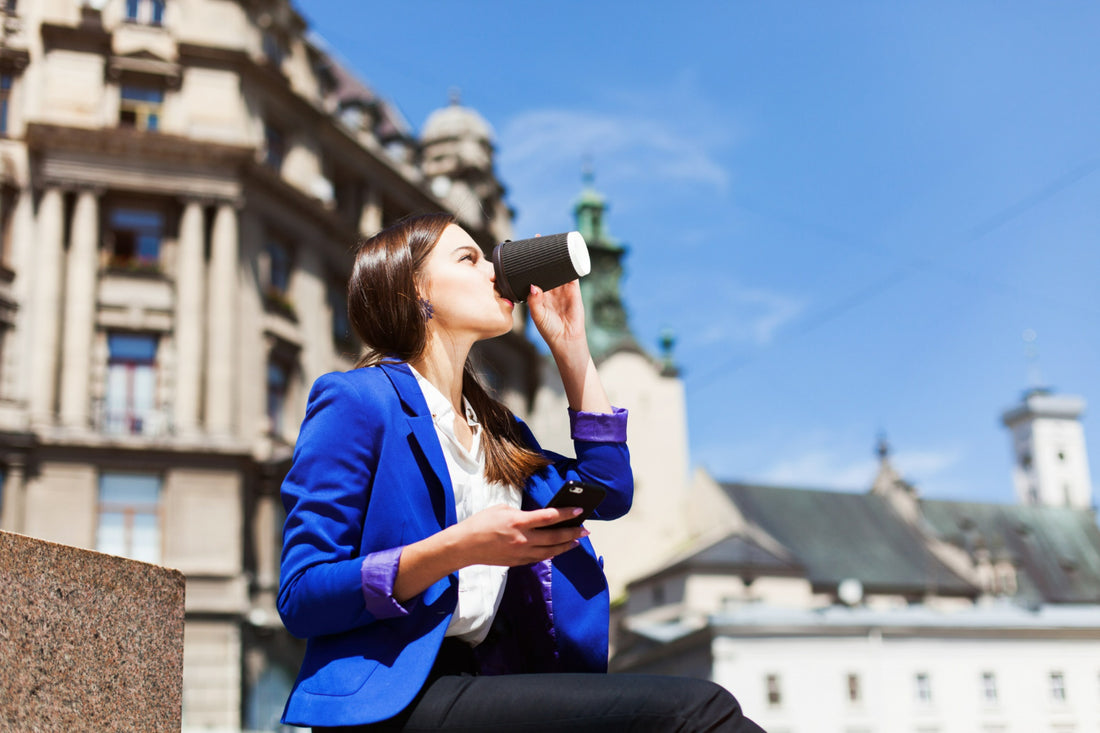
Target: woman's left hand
{"type": "Point", "coordinates": [558, 314]}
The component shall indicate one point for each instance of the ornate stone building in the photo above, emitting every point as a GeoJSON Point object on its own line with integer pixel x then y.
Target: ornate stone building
{"type": "Point", "coordinates": [181, 182]}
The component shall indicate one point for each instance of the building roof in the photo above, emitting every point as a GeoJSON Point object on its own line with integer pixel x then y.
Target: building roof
{"type": "Point", "coordinates": [1055, 550]}
{"type": "Point", "coordinates": [836, 536]}
{"type": "Point", "coordinates": [739, 554]}
{"type": "Point", "coordinates": [456, 121]}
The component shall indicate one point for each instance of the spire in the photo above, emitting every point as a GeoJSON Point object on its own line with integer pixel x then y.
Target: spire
{"type": "Point", "coordinates": [887, 480]}
{"type": "Point", "coordinates": [605, 314]}
{"type": "Point", "coordinates": [589, 212]}
{"type": "Point", "coordinates": [668, 362]}
{"type": "Point", "coordinates": [889, 484]}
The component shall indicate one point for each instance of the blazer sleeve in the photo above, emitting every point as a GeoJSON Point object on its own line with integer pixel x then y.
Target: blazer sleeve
{"type": "Point", "coordinates": [599, 440]}
{"type": "Point", "coordinates": [323, 584]}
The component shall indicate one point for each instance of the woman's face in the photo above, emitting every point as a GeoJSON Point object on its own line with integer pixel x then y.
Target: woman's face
{"type": "Point", "coordinates": [460, 284]}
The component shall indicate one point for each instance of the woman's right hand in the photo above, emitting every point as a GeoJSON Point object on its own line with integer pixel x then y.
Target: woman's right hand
{"type": "Point", "coordinates": [499, 535]}
{"type": "Point", "coordinates": [503, 535]}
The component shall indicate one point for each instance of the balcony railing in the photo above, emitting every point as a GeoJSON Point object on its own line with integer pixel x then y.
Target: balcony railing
{"type": "Point", "coordinates": [149, 423]}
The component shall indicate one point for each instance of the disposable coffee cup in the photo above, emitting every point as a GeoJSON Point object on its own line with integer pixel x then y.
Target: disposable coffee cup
{"type": "Point", "coordinates": [547, 262]}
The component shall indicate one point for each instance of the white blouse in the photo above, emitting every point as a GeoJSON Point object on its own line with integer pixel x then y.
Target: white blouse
{"type": "Point", "coordinates": [480, 587]}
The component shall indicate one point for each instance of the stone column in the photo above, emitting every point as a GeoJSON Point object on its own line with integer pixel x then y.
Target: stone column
{"type": "Point", "coordinates": [266, 538]}
{"type": "Point", "coordinates": [12, 511]}
{"type": "Point", "coordinates": [221, 321]}
{"type": "Point", "coordinates": [46, 304]}
{"type": "Point", "coordinates": [80, 304]}
{"type": "Point", "coordinates": [190, 311]}
{"type": "Point", "coordinates": [370, 218]}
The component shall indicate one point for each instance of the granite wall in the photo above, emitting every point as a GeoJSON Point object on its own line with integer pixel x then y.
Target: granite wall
{"type": "Point", "coordinates": [87, 641]}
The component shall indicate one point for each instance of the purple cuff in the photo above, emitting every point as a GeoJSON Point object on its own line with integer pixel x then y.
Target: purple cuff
{"type": "Point", "coordinates": [599, 427]}
{"type": "Point", "coordinates": [378, 573]}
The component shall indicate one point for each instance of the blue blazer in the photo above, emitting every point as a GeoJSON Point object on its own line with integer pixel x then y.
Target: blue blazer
{"type": "Point", "coordinates": [369, 476]}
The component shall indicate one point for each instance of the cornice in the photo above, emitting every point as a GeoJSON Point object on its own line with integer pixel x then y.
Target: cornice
{"type": "Point", "coordinates": [14, 59]}
{"type": "Point", "coordinates": [88, 38]}
{"type": "Point", "coordinates": [46, 138]}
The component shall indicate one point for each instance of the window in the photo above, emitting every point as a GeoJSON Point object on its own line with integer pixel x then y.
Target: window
{"type": "Point", "coordinates": [273, 49]}
{"type": "Point", "coordinates": [278, 266]}
{"type": "Point", "coordinates": [135, 236]}
{"type": "Point", "coordinates": [278, 379]}
{"type": "Point", "coordinates": [775, 696]}
{"type": "Point", "coordinates": [341, 323]}
{"type": "Point", "coordinates": [1058, 686]}
{"type": "Point", "coordinates": [140, 107]}
{"type": "Point", "coordinates": [278, 269]}
{"type": "Point", "coordinates": [855, 694]}
{"type": "Point", "coordinates": [5, 102]}
{"type": "Point", "coordinates": [10, 6]}
{"type": "Point", "coordinates": [274, 147]}
{"type": "Point", "coordinates": [131, 385]}
{"type": "Point", "coordinates": [265, 701]}
{"type": "Point", "coordinates": [989, 688]}
{"type": "Point", "coordinates": [129, 521]}
{"type": "Point", "coordinates": [9, 196]}
{"type": "Point", "coordinates": [924, 688]}
{"type": "Point", "coordinates": [149, 12]}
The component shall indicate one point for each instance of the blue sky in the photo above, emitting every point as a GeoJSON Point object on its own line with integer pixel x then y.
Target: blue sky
{"type": "Point", "coordinates": [849, 212]}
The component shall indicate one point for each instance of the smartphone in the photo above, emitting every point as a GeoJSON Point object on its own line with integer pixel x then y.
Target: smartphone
{"type": "Point", "coordinates": [577, 493]}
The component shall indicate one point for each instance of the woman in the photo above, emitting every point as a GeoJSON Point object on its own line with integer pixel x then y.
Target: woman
{"type": "Point", "coordinates": [417, 560]}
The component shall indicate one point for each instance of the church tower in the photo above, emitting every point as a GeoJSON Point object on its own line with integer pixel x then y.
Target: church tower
{"type": "Point", "coordinates": [605, 314]}
{"type": "Point", "coordinates": [660, 521]}
{"type": "Point", "coordinates": [1051, 463]}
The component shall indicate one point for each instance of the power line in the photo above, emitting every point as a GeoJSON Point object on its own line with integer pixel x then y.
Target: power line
{"type": "Point", "coordinates": [899, 274]}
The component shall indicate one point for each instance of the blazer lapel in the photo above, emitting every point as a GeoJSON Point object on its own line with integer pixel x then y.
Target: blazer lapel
{"type": "Point", "coordinates": [423, 430]}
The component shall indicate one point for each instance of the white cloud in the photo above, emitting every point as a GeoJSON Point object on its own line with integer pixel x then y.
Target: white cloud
{"type": "Point", "coordinates": [634, 153]}
{"type": "Point", "coordinates": [549, 138]}
{"type": "Point", "coordinates": [752, 315]}
{"type": "Point", "coordinates": [829, 468]}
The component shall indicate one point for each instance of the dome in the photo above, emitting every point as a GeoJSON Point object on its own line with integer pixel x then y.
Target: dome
{"type": "Point", "coordinates": [455, 121]}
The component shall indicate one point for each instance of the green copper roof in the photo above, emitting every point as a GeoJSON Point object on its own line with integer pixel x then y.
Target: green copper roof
{"type": "Point", "coordinates": [605, 313]}
{"type": "Point", "coordinates": [836, 536]}
{"type": "Point", "coordinates": [833, 536]}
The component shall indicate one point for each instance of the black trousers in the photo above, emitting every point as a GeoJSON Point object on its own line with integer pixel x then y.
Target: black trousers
{"type": "Point", "coordinates": [586, 703]}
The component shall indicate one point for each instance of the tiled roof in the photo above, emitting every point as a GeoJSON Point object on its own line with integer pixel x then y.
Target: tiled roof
{"type": "Point", "coordinates": [836, 536]}
{"type": "Point", "coordinates": [1056, 551]}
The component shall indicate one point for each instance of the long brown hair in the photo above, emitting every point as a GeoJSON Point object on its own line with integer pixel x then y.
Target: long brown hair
{"type": "Point", "coordinates": [384, 309]}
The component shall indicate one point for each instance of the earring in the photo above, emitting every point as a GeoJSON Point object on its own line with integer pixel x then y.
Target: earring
{"type": "Point", "coordinates": [427, 311]}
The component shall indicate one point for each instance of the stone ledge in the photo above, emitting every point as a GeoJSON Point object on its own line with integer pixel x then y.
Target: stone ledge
{"type": "Point", "coordinates": [87, 641]}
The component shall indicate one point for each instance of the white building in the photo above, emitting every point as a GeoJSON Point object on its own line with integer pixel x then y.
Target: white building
{"type": "Point", "coordinates": [883, 612]}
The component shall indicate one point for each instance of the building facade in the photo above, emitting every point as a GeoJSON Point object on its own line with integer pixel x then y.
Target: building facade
{"type": "Point", "coordinates": [181, 185]}
{"type": "Point", "coordinates": [883, 612]}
